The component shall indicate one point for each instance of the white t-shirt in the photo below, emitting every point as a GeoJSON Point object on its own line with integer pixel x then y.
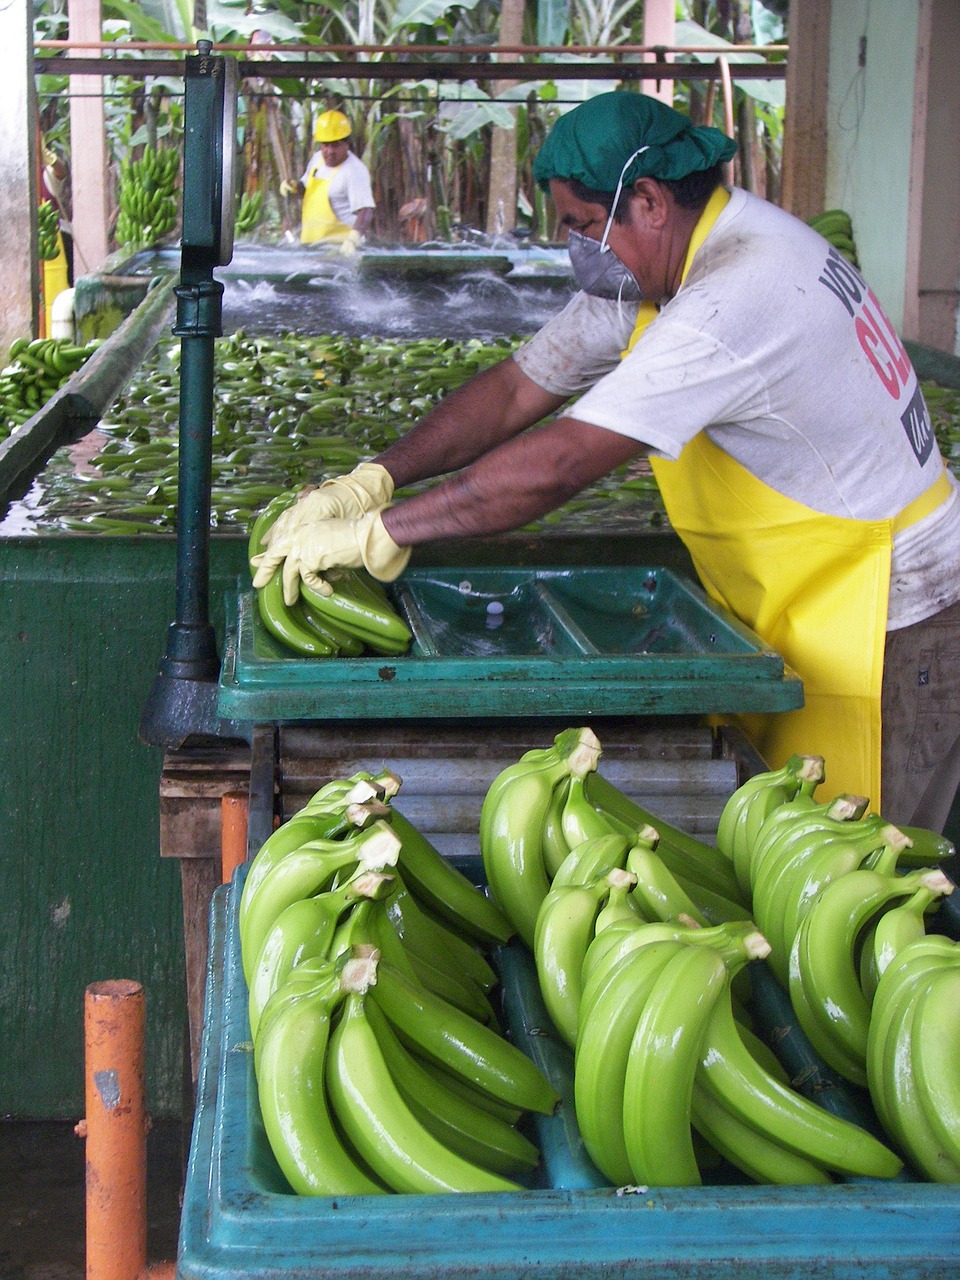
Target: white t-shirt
{"type": "Point", "coordinates": [349, 190]}
{"type": "Point", "coordinates": [779, 351]}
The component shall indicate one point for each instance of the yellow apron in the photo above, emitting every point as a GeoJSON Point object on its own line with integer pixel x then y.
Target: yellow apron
{"type": "Point", "coordinates": [814, 587]}
{"type": "Point", "coordinates": [318, 221]}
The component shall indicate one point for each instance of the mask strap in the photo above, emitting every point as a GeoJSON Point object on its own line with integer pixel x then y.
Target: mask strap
{"type": "Point", "coordinates": [604, 247]}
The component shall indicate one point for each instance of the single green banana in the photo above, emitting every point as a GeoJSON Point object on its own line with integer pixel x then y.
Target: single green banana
{"type": "Point", "coordinates": [824, 981]}
{"type": "Point", "coordinates": [756, 1097]}
{"type": "Point", "coordinates": [307, 871]}
{"type": "Point", "coordinates": [592, 858]}
{"type": "Point", "coordinates": [603, 1050]}
{"type": "Point", "coordinates": [621, 905]}
{"type": "Point", "coordinates": [300, 983]}
{"type": "Point", "coordinates": [303, 931]}
{"type": "Point", "coordinates": [683, 853]}
{"type": "Point", "coordinates": [510, 844]}
{"type": "Point", "coordinates": [662, 1065]}
{"type": "Point", "coordinates": [293, 1099]}
{"type": "Point", "coordinates": [554, 848]}
{"type": "Point", "coordinates": [563, 932]}
{"type": "Point", "coordinates": [457, 1042]}
{"type": "Point", "coordinates": [902, 924]}
{"type": "Point", "coordinates": [459, 1124]}
{"type": "Point", "coordinates": [657, 891]}
{"type": "Point", "coordinates": [756, 1154]}
{"type": "Point", "coordinates": [446, 890]}
{"type": "Point", "coordinates": [580, 820]}
{"type": "Point", "coordinates": [935, 1054]}
{"type": "Point", "coordinates": [388, 1136]}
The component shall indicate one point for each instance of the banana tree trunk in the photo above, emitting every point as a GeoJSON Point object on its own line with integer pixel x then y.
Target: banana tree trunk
{"type": "Point", "coordinates": [502, 203]}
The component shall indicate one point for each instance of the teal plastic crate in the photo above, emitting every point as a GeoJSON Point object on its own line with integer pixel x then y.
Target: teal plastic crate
{"type": "Point", "coordinates": [239, 1220]}
{"type": "Point", "coordinates": [521, 642]}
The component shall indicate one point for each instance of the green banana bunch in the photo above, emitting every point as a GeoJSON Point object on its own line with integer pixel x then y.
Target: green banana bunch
{"type": "Point", "coordinates": [249, 212]}
{"type": "Point", "coordinates": [912, 1055]}
{"type": "Point", "coordinates": [306, 871]}
{"type": "Point", "coordinates": [734, 1079]}
{"type": "Point", "coordinates": [349, 616]}
{"type": "Point", "coordinates": [380, 1125]}
{"type": "Point", "coordinates": [836, 226]}
{"type": "Point", "coordinates": [461, 1045]}
{"type": "Point", "coordinates": [796, 823]}
{"type": "Point", "coordinates": [292, 1055]}
{"type": "Point", "coordinates": [824, 980]}
{"type": "Point", "coordinates": [465, 1127]}
{"type": "Point", "coordinates": [302, 931]}
{"type": "Point", "coordinates": [782, 899]}
{"type": "Point", "coordinates": [331, 814]}
{"type": "Point", "coordinates": [511, 822]}
{"type": "Point", "coordinates": [564, 929]}
{"type": "Point", "coordinates": [147, 201]}
{"type": "Point", "coordinates": [37, 369]}
{"type": "Point", "coordinates": [48, 229]}
{"type": "Point", "coordinates": [753, 802]}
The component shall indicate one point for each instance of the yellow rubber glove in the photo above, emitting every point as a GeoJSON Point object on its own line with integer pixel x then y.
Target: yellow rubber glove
{"type": "Point", "coordinates": [331, 544]}
{"type": "Point", "coordinates": [289, 188]}
{"type": "Point", "coordinates": [351, 243]}
{"type": "Point", "coordinates": [368, 487]}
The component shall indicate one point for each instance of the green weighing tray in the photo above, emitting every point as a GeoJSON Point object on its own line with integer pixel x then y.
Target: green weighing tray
{"type": "Point", "coordinates": [520, 642]}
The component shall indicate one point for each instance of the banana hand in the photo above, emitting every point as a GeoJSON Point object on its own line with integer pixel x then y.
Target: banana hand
{"type": "Point", "coordinates": [331, 544]}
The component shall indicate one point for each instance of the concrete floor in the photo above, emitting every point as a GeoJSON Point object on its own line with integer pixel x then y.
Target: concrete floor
{"type": "Point", "coordinates": [42, 1198]}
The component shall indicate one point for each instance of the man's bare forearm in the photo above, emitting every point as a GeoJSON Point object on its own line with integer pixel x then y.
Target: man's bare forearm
{"type": "Point", "coordinates": [490, 408]}
{"type": "Point", "coordinates": [517, 481]}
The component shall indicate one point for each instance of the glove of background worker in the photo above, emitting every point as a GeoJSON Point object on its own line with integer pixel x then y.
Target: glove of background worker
{"type": "Point", "coordinates": [368, 487]}
{"type": "Point", "coordinates": [288, 187]}
{"type": "Point", "coordinates": [332, 544]}
{"type": "Point", "coordinates": [350, 244]}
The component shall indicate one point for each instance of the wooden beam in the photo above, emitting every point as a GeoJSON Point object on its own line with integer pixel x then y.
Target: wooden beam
{"type": "Point", "coordinates": [805, 122]}
{"type": "Point", "coordinates": [88, 149]}
{"type": "Point", "coordinates": [19, 272]}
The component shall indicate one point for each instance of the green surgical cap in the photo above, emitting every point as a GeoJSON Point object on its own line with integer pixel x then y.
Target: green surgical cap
{"type": "Point", "coordinates": [594, 141]}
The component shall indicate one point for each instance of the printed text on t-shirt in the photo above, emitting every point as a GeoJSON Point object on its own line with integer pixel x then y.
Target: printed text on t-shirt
{"type": "Point", "coordinates": [880, 344]}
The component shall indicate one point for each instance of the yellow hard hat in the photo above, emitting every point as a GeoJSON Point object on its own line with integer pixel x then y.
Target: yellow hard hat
{"type": "Point", "coordinates": [331, 127]}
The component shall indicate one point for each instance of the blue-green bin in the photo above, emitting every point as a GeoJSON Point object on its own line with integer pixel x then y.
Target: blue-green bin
{"type": "Point", "coordinates": [239, 1221]}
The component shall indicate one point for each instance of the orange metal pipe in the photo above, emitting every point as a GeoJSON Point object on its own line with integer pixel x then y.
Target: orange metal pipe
{"type": "Point", "coordinates": [115, 1128]}
{"type": "Point", "coordinates": [233, 832]}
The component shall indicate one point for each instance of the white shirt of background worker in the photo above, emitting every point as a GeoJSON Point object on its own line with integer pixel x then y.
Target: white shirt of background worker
{"type": "Point", "coordinates": [338, 199]}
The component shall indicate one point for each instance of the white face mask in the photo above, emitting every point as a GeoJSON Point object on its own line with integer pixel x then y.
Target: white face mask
{"type": "Point", "coordinates": [596, 268]}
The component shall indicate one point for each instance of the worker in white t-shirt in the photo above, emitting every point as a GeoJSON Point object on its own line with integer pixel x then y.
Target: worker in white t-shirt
{"type": "Point", "coordinates": [338, 199]}
{"type": "Point", "coordinates": [785, 425]}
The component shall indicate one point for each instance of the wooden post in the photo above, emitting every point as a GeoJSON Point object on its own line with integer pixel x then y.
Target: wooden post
{"type": "Point", "coordinates": [19, 271]}
{"type": "Point", "coordinates": [805, 120]}
{"type": "Point", "coordinates": [88, 149]}
{"type": "Point", "coordinates": [659, 28]}
{"type": "Point", "coordinates": [502, 205]}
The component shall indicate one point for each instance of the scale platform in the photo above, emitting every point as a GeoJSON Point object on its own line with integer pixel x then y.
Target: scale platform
{"type": "Point", "coordinates": [520, 642]}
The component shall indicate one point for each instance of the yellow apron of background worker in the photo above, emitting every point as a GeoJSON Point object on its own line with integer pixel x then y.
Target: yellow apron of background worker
{"type": "Point", "coordinates": [318, 221]}
{"type": "Point", "coordinates": [814, 587]}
